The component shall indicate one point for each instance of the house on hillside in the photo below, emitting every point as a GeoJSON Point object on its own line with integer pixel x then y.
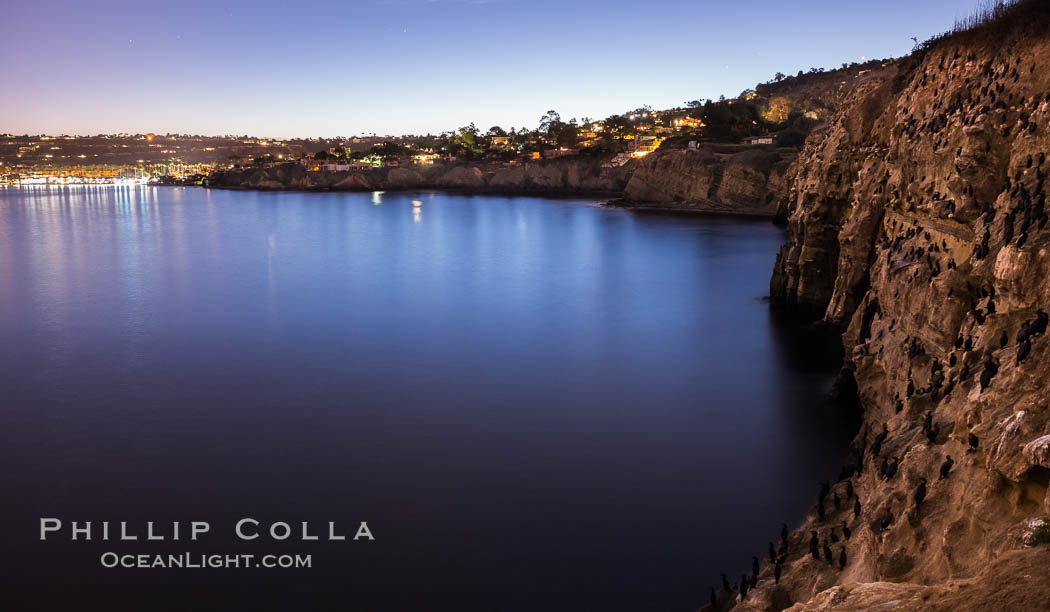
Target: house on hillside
{"type": "Point", "coordinates": [760, 140]}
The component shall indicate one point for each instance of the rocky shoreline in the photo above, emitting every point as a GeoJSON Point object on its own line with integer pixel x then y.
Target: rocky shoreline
{"type": "Point", "coordinates": [742, 183]}
{"type": "Point", "coordinates": [918, 228]}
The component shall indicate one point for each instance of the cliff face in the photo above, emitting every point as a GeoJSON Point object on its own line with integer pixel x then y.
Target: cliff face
{"type": "Point", "coordinates": [918, 226]}
{"type": "Point", "coordinates": [704, 181]}
{"type": "Point", "coordinates": [565, 177]}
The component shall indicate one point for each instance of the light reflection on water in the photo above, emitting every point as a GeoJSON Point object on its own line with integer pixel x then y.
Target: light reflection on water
{"type": "Point", "coordinates": [522, 396]}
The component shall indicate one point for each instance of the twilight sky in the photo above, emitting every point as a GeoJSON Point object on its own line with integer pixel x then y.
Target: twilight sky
{"type": "Point", "coordinates": [327, 68]}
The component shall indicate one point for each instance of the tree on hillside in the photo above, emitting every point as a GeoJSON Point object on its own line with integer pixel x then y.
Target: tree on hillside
{"type": "Point", "coordinates": [568, 136]}
{"type": "Point", "coordinates": [616, 127]}
{"type": "Point", "coordinates": [550, 123]}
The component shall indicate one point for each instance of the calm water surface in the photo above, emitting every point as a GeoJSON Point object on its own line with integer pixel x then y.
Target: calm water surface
{"type": "Point", "coordinates": [535, 404]}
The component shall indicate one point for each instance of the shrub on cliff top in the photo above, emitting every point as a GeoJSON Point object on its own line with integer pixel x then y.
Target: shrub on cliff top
{"type": "Point", "coordinates": [1040, 535]}
{"type": "Point", "coordinates": [992, 20]}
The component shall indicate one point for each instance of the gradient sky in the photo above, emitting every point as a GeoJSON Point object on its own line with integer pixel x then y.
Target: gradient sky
{"type": "Point", "coordinates": [327, 68]}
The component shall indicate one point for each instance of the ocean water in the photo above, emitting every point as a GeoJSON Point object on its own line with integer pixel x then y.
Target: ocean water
{"type": "Point", "coordinates": [534, 404]}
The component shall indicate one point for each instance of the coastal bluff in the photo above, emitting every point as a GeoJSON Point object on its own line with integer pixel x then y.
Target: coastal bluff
{"type": "Point", "coordinates": [558, 177]}
{"type": "Point", "coordinates": [918, 227]}
{"type": "Point", "coordinates": [701, 180]}
{"type": "Point", "coordinates": [743, 182]}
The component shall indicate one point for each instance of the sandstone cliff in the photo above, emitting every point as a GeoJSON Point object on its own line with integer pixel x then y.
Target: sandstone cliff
{"type": "Point", "coordinates": [570, 176]}
{"type": "Point", "coordinates": [700, 181]}
{"type": "Point", "coordinates": [917, 225]}
{"type": "Point", "coordinates": [704, 181]}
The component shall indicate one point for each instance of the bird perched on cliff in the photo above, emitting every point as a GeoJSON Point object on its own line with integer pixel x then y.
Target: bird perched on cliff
{"type": "Point", "coordinates": [988, 373]}
{"type": "Point", "coordinates": [1026, 331]}
{"type": "Point", "coordinates": [772, 553]}
{"type": "Point", "coordinates": [856, 508]}
{"type": "Point", "coordinates": [783, 532]}
{"type": "Point", "coordinates": [931, 434]}
{"type": "Point", "coordinates": [842, 558]}
{"type": "Point", "coordinates": [920, 493]}
{"type": "Point", "coordinates": [876, 446]}
{"type": "Point", "coordinates": [813, 546]}
{"type": "Point", "coordinates": [754, 566]}
{"type": "Point", "coordinates": [744, 584]}
{"type": "Point", "coordinates": [1041, 321]}
{"type": "Point", "coordinates": [827, 553]}
{"type": "Point", "coordinates": [887, 519]}
{"type": "Point", "coordinates": [946, 467]}
{"type": "Point", "coordinates": [1023, 351]}
{"type": "Point", "coordinates": [1003, 340]}
{"type": "Point", "coordinates": [973, 442]}
{"type": "Point", "coordinates": [891, 468]}
{"type": "Point", "coordinates": [776, 574]}
{"type": "Point", "coordinates": [846, 530]}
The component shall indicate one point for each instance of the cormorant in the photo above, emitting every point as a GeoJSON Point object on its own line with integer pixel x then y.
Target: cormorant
{"type": "Point", "coordinates": [754, 566]}
{"type": "Point", "coordinates": [891, 468]}
{"type": "Point", "coordinates": [834, 538]}
{"type": "Point", "coordinates": [776, 574]}
{"type": "Point", "coordinates": [846, 530]}
{"type": "Point", "coordinates": [783, 532]}
{"type": "Point", "coordinates": [813, 547]}
{"type": "Point", "coordinates": [946, 467]}
{"type": "Point", "coordinates": [1024, 350]}
{"type": "Point", "coordinates": [920, 492]}
{"type": "Point", "coordinates": [973, 441]}
{"type": "Point", "coordinates": [827, 553]}
{"type": "Point", "coordinates": [1003, 340]}
{"type": "Point", "coordinates": [1041, 321]}
{"type": "Point", "coordinates": [988, 373]}
{"type": "Point", "coordinates": [772, 553]}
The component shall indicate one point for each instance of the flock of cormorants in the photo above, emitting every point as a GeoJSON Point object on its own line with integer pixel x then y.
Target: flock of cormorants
{"type": "Point", "coordinates": [1028, 214]}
